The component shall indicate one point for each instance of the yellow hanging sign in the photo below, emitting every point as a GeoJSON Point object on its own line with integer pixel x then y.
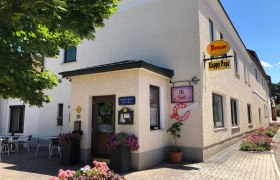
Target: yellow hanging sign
{"type": "Point", "coordinates": [219, 65]}
{"type": "Point", "coordinates": [218, 48]}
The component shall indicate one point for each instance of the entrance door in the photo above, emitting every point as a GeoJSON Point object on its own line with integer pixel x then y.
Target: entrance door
{"type": "Point", "coordinates": [103, 124]}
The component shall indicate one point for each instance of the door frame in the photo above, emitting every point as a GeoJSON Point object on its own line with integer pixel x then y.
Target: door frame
{"type": "Point", "coordinates": [94, 122]}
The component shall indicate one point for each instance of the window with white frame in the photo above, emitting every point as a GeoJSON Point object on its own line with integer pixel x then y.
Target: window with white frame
{"type": "Point", "coordinates": [260, 115]}
{"type": "Point", "coordinates": [235, 62]}
{"type": "Point", "coordinates": [70, 54]}
{"type": "Point", "coordinates": [218, 114]}
{"type": "Point", "coordinates": [60, 114]}
{"type": "Point", "coordinates": [154, 107]}
{"type": "Point", "coordinates": [249, 113]}
{"type": "Point", "coordinates": [234, 115]}
{"type": "Point", "coordinates": [211, 30]}
{"type": "Point", "coordinates": [245, 74]}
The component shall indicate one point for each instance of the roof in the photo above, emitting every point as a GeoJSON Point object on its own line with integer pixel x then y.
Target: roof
{"type": "Point", "coordinates": [122, 65]}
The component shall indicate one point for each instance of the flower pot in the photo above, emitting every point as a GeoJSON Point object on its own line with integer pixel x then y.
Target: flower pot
{"type": "Point", "coordinates": [120, 159]}
{"type": "Point", "coordinates": [175, 157]}
{"type": "Point", "coordinates": [70, 154]}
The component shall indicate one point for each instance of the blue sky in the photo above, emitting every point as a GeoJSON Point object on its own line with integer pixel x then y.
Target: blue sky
{"type": "Point", "coordinates": [258, 24]}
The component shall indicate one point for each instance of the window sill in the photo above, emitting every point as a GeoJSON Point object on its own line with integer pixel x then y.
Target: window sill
{"type": "Point", "coordinates": [250, 126]}
{"type": "Point", "coordinates": [219, 129]}
{"type": "Point", "coordinates": [235, 127]}
{"type": "Point", "coordinates": [66, 62]}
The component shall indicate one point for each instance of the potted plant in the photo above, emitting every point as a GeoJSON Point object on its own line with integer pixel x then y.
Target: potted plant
{"type": "Point", "coordinates": [120, 145]}
{"type": "Point", "coordinates": [70, 148]}
{"type": "Point", "coordinates": [175, 153]}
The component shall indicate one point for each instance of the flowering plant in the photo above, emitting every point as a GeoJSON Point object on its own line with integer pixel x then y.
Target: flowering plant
{"type": "Point", "coordinates": [69, 138]}
{"type": "Point", "coordinates": [100, 171]}
{"type": "Point", "coordinates": [257, 141]}
{"type": "Point", "coordinates": [122, 139]}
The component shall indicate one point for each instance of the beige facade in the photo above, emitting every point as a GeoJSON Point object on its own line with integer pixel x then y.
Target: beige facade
{"type": "Point", "coordinates": [167, 34]}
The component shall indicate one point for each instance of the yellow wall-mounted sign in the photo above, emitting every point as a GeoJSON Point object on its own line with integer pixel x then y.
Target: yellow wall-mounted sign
{"type": "Point", "coordinates": [219, 65]}
{"type": "Point", "coordinates": [218, 48]}
{"type": "Point", "coordinates": [79, 109]}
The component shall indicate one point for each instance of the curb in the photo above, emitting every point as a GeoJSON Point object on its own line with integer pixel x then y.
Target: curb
{"type": "Point", "coordinates": [274, 160]}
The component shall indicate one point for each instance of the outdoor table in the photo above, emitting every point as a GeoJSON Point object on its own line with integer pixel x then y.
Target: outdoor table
{"type": "Point", "coordinates": [9, 141]}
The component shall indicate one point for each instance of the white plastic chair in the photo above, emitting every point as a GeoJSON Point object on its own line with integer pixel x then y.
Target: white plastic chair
{"type": "Point", "coordinates": [24, 140]}
{"type": "Point", "coordinates": [41, 142]}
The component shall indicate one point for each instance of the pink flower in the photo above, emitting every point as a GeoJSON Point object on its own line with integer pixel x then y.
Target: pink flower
{"type": "Point", "coordinates": [52, 178]}
{"type": "Point", "coordinates": [87, 167]}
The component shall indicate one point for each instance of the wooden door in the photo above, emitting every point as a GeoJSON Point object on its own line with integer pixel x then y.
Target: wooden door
{"type": "Point", "coordinates": [103, 124]}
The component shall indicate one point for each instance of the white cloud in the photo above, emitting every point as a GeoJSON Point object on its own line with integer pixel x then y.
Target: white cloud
{"type": "Point", "coordinates": [279, 63]}
{"type": "Point", "coordinates": [266, 64]}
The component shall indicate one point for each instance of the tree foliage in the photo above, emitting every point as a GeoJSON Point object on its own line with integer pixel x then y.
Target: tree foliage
{"type": "Point", "coordinates": [276, 92]}
{"type": "Point", "coordinates": [33, 29]}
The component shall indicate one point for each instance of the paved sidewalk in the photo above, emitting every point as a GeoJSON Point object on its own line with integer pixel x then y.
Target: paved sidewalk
{"type": "Point", "coordinates": [228, 164]}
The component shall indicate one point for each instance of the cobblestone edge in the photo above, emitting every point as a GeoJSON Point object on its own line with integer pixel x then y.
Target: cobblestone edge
{"type": "Point", "coordinates": [276, 168]}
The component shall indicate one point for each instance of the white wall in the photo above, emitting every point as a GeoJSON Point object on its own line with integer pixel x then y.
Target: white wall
{"type": "Point", "coordinates": [227, 82]}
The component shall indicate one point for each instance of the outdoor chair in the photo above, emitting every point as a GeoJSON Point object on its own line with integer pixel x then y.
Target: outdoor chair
{"type": "Point", "coordinates": [53, 143]}
{"type": "Point", "coordinates": [41, 142]}
{"type": "Point", "coordinates": [24, 140]}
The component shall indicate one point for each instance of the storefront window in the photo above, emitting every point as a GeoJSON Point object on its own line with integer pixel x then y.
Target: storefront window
{"type": "Point", "coordinates": [218, 111]}
{"type": "Point", "coordinates": [154, 108]}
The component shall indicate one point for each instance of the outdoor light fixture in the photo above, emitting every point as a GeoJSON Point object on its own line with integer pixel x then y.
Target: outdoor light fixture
{"type": "Point", "coordinates": [194, 80]}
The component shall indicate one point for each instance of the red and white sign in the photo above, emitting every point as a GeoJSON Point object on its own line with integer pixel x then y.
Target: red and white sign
{"type": "Point", "coordinates": [181, 112]}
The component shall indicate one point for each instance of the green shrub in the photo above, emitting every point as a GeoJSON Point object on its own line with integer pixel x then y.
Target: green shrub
{"type": "Point", "coordinates": [260, 149]}
{"type": "Point", "coordinates": [269, 133]}
{"type": "Point", "coordinates": [247, 146]}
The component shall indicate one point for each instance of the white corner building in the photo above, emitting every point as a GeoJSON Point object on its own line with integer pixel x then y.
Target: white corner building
{"type": "Point", "coordinates": [146, 48]}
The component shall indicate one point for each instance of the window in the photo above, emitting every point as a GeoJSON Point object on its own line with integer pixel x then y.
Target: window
{"type": "Point", "coordinates": [233, 105]}
{"type": "Point", "coordinates": [16, 119]}
{"type": "Point", "coordinates": [249, 114]}
{"type": "Point", "coordinates": [245, 74]}
{"type": "Point", "coordinates": [211, 30]}
{"type": "Point", "coordinates": [60, 115]}
{"type": "Point", "coordinates": [248, 76]}
{"type": "Point", "coordinates": [154, 108]}
{"type": "Point", "coordinates": [260, 115]}
{"type": "Point", "coordinates": [256, 74]}
{"type": "Point", "coordinates": [221, 36]}
{"type": "Point", "coordinates": [70, 54]}
{"type": "Point", "coordinates": [218, 116]}
{"type": "Point", "coordinates": [235, 62]}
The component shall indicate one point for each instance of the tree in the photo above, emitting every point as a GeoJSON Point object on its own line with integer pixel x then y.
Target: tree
{"type": "Point", "coordinates": [33, 29]}
{"type": "Point", "coordinates": [275, 93]}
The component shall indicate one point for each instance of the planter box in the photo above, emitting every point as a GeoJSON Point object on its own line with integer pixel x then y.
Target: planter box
{"type": "Point", "coordinates": [70, 154]}
{"type": "Point", "coordinates": [120, 160]}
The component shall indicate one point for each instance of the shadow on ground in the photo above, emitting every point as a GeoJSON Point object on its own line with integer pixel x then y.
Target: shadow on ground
{"type": "Point", "coordinates": [27, 162]}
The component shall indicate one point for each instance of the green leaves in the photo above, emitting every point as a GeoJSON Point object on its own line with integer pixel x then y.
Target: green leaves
{"type": "Point", "coordinates": [31, 30]}
{"type": "Point", "coordinates": [276, 92]}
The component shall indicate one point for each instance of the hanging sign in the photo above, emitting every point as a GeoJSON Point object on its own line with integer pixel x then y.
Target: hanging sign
{"type": "Point", "coordinates": [218, 48]}
{"type": "Point", "coordinates": [182, 94]}
{"type": "Point", "coordinates": [219, 65]}
{"type": "Point", "coordinates": [180, 112]}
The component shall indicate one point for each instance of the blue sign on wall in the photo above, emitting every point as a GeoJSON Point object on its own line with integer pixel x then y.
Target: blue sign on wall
{"type": "Point", "coordinates": [127, 100]}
